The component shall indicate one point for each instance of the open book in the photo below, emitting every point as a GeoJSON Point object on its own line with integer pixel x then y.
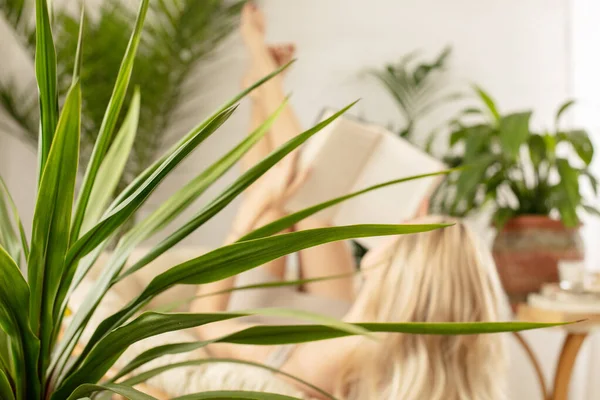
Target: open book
{"type": "Point", "coordinates": [349, 155]}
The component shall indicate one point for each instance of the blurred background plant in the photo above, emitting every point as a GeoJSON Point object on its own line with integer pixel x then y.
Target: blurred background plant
{"type": "Point", "coordinates": [178, 35]}
{"type": "Point", "coordinates": [419, 89]}
{"type": "Point", "coordinates": [520, 171]}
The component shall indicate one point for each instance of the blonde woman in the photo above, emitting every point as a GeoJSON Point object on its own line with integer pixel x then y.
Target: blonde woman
{"type": "Point", "coordinates": [440, 276]}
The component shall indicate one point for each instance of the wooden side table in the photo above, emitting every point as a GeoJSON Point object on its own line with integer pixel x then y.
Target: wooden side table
{"type": "Point", "coordinates": [575, 336]}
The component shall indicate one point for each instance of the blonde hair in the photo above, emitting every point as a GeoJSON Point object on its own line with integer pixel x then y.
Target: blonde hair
{"type": "Point", "coordinates": [440, 276]}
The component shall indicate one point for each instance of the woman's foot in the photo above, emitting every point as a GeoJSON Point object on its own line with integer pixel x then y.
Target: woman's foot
{"type": "Point", "coordinates": [281, 54]}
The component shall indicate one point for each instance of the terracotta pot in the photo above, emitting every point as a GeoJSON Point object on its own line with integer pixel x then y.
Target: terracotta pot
{"type": "Point", "coordinates": [527, 251]}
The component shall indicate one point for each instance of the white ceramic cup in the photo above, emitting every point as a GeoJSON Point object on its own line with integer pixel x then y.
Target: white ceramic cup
{"type": "Point", "coordinates": [571, 274]}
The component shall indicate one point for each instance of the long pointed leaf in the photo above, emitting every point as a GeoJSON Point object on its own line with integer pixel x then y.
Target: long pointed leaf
{"type": "Point", "coordinates": [489, 103]}
{"type": "Point", "coordinates": [297, 282]}
{"type": "Point", "coordinates": [562, 109]}
{"type": "Point", "coordinates": [125, 391]}
{"type": "Point", "coordinates": [45, 72]}
{"type": "Point", "coordinates": [235, 394]}
{"type": "Point", "coordinates": [268, 335]}
{"type": "Point", "coordinates": [11, 232]}
{"type": "Point", "coordinates": [109, 121]}
{"type": "Point", "coordinates": [113, 165]}
{"type": "Point", "coordinates": [52, 220]}
{"type": "Point", "coordinates": [292, 219]}
{"type": "Point", "coordinates": [144, 376]}
{"type": "Point", "coordinates": [14, 320]}
{"type": "Point", "coordinates": [6, 391]}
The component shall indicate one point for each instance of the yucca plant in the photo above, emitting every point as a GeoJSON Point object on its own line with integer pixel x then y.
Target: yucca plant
{"type": "Point", "coordinates": [37, 357]}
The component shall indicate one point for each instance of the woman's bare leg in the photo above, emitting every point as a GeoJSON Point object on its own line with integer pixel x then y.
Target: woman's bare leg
{"type": "Point", "coordinates": [261, 149]}
{"type": "Point", "coordinates": [265, 60]}
{"type": "Point", "coordinates": [328, 259]}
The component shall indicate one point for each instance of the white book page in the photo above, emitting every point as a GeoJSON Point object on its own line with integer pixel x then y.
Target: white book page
{"type": "Point", "coordinates": [393, 158]}
{"type": "Point", "coordinates": [335, 158]}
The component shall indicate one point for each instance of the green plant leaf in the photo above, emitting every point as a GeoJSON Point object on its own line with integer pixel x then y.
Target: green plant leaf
{"type": "Point", "coordinates": [17, 219]}
{"type": "Point", "coordinates": [52, 219]}
{"type": "Point", "coordinates": [109, 122]}
{"type": "Point", "coordinates": [469, 180]}
{"type": "Point", "coordinates": [266, 335]}
{"type": "Point", "coordinates": [290, 334]}
{"type": "Point", "coordinates": [477, 142]}
{"type": "Point", "coordinates": [581, 143]}
{"type": "Point", "coordinates": [12, 234]}
{"type": "Point", "coordinates": [502, 216]}
{"type": "Point", "coordinates": [6, 391]}
{"type": "Point", "coordinates": [45, 72]}
{"type": "Point", "coordinates": [551, 142]}
{"type": "Point", "coordinates": [144, 376]}
{"type": "Point", "coordinates": [562, 109]}
{"type": "Point", "coordinates": [591, 210]}
{"type": "Point", "coordinates": [537, 149]}
{"type": "Point", "coordinates": [233, 394]}
{"type": "Point", "coordinates": [14, 320]}
{"type": "Point", "coordinates": [514, 131]}
{"type": "Point", "coordinates": [112, 166]}
{"type": "Point", "coordinates": [291, 219]}
{"type": "Point", "coordinates": [489, 103]}
{"type": "Point", "coordinates": [569, 197]}
{"type": "Point", "coordinates": [125, 391]}
{"type": "Point", "coordinates": [593, 180]}
{"type": "Point", "coordinates": [297, 282]}
{"type": "Point", "coordinates": [458, 136]}
{"type": "Point", "coordinates": [79, 51]}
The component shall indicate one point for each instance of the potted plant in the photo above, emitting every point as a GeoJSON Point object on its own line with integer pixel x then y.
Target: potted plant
{"type": "Point", "coordinates": [532, 179]}
{"type": "Point", "coordinates": [37, 358]}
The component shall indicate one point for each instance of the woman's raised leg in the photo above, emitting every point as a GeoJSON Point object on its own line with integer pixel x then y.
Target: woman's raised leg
{"type": "Point", "coordinates": [325, 260]}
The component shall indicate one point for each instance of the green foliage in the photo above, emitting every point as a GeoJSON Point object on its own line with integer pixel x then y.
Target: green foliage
{"type": "Point", "coordinates": [516, 169]}
{"type": "Point", "coordinates": [418, 89]}
{"type": "Point", "coordinates": [179, 34]}
{"type": "Point", "coordinates": [35, 362]}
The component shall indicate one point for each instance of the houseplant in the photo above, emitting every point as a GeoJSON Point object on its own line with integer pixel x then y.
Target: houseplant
{"type": "Point", "coordinates": [533, 187]}
{"type": "Point", "coordinates": [35, 361]}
